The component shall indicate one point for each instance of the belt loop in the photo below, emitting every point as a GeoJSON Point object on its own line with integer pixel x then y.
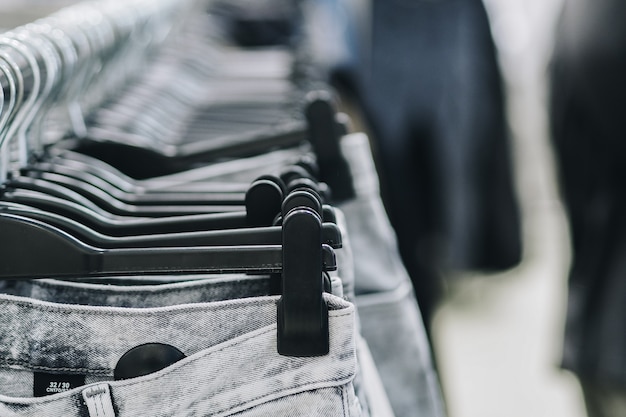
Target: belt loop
{"type": "Point", "coordinates": [98, 400]}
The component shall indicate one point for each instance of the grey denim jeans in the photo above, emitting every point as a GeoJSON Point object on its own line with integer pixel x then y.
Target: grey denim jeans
{"type": "Point", "coordinates": [232, 365]}
{"type": "Point", "coordinates": [390, 319]}
{"type": "Point", "coordinates": [159, 291]}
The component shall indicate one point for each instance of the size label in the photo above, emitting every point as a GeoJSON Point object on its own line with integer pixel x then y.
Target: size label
{"type": "Point", "coordinates": [49, 384]}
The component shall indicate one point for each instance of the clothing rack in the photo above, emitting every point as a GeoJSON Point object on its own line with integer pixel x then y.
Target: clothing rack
{"type": "Point", "coordinates": [142, 148]}
{"type": "Point", "coordinates": [63, 58]}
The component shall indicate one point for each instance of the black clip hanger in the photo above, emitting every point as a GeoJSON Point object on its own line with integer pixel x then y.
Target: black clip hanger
{"type": "Point", "coordinates": [331, 235]}
{"type": "Point", "coordinates": [263, 202]}
{"type": "Point", "coordinates": [258, 212]}
{"type": "Point", "coordinates": [302, 312]}
{"type": "Point", "coordinates": [301, 260]}
{"type": "Point", "coordinates": [324, 134]}
{"type": "Point", "coordinates": [61, 255]}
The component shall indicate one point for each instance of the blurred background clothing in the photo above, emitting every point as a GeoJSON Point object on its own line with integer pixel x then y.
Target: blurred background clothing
{"type": "Point", "coordinates": [588, 91]}
{"type": "Point", "coordinates": [426, 77]}
{"type": "Point", "coordinates": [497, 336]}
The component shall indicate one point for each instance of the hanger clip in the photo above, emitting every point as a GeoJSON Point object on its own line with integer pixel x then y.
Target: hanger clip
{"type": "Point", "coordinates": [302, 310]}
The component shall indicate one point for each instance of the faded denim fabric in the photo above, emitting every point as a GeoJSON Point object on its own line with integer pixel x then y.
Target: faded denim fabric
{"type": "Point", "coordinates": [372, 385]}
{"type": "Point", "coordinates": [232, 365]}
{"type": "Point", "coordinates": [145, 292]}
{"type": "Point", "coordinates": [155, 291]}
{"type": "Point", "coordinates": [389, 315]}
{"type": "Point", "coordinates": [141, 292]}
{"type": "Point", "coordinates": [345, 257]}
{"type": "Point", "coordinates": [395, 333]}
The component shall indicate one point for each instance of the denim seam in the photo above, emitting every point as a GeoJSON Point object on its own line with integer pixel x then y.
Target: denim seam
{"type": "Point", "coordinates": [158, 291]}
{"type": "Point", "coordinates": [212, 294]}
{"type": "Point", "coordinates": [136, 311]}
{"type": "Point", "coordinates": [172, 310]}
{"type": "Point", "coordinates": [100, 399]}
{"type": "Point", "coordinates": [278, 394]}
{"type": "Point", "coordinates": [282, 393]}
{"type": "Point", "coordinates": [8, 363]}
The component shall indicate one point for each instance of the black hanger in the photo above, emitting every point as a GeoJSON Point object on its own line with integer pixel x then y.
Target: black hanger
{"type": "Point", "coordinates": [325, 132]}
{"type": "Point", "coordinates": [76, 190]}
{"type": "Point", "coordinates": [140, 162]}
{"type": "Point", "coordinates": [74, 178]}
{"type": "Point", "coordinates": [109, 174]}
{"type": "Point", "coordinates": [321, 129]}
{"type": "Point", "coordinates": [269, 235]}
{"type": "Point", "coordinates": [31, 249]}
{"type": "Point", "coordinates": [302, 314]}
{"type": "Point", "coordinates": [94, 187]}
{"type": "Point", "coordinates": [263, 202]}
{"type": "Point", "coordinates": [59, 254]}
{"type": "Point", "coordinates": [200, 179]}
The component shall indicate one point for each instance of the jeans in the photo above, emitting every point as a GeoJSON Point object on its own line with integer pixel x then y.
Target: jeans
{"type": "Point", "coordinates": [155, 291]}
{"type": "Point", "coordinates": [232, 365]}
{"type": "Point", "coordinates": [390, 319]}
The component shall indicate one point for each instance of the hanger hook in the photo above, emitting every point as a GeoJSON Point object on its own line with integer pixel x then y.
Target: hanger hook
{"type": "Point", "coordinates": [16, 93]}
{"type": "Point", "coordinates": [50, 69]}
{"type": "Point", "coordinates": [10, 40]}
{"type": "Point", "coordinates": [66, 54]}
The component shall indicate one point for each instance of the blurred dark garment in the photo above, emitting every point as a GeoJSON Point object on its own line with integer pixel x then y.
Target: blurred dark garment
{"type": "Point", "coordinates": [256, 23]}
{"type": "Point", "coordinates": [431, 90]}
{"type": "Point", "coordinates": [604, 400]}
{"type": "Point", "coordinates": [588, 91]}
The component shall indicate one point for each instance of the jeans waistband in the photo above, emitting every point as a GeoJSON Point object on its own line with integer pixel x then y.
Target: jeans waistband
{"type": "Point", "coordinates": [139, 293]}
{"type": "Point", "coordinates": [146, 292]}
{"type": "Point", "coordinates": [232, 361]}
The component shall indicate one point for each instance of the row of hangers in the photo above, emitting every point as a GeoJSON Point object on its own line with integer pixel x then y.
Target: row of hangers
{"type": "Point", "coordinates": [110, 135]}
